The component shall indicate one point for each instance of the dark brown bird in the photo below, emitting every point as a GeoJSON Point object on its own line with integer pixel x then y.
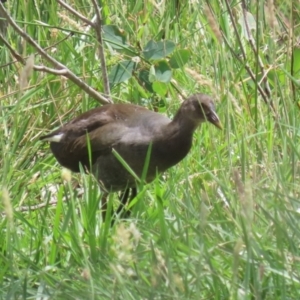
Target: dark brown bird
{"type": "Point", "coordinates": [129, 130]}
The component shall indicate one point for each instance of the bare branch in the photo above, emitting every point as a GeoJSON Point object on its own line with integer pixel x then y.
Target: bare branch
{"type": "Point", "coordinates": [255, 51]}
{"type": "Point", "coordinates": [69, 74]}
{"type": "Point", "coordinates": [74, 12]}
{"type": "Point", "coordinates": [14, 53]}
{"type": "Point", "coordinates": [19, 57]}
{"type": "Point", "coordinates": [98, 28]}
{"type": "Point", "coordinates": [37, 206]}
{"type": "Point", "coordinates": [61, 72]}
{"type": "Point", "coordinates": [66, 72]}
{"type": "Point", "coordinates": [262, 92]}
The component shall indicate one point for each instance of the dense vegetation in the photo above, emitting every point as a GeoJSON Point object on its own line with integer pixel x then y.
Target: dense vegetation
{"type": "Point", "coordinates": [220, 225]}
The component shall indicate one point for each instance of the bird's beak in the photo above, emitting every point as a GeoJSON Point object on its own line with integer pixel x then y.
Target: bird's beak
{"type": "Point", "coordinates": [214, 119]}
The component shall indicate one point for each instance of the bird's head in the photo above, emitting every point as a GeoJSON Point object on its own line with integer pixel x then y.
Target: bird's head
{"type": "Point", "coordinates": [201, 108]}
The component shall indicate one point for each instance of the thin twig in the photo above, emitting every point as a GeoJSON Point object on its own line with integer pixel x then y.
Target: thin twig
{"type": "Point", "coordinates": [74, 12]}
{"type": "Point", "coordinates": [37, 206]}
{"type": "Point", "coordinates": [244, 59]}
{"type": "Point", "coordinates": [62, 72]}
{"type": "Point", "coordinates": [14, 53]}
{"type": "Point", "coordinates": [98, 28]}
{"type": "Point", "coordinates": [255, 51]}
{"type": "Point", "coordinates": [20, 58]}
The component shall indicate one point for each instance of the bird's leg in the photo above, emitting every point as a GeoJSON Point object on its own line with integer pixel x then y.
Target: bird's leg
{"type": "Point", "coordinates": [125, 199]}
{"type": "Point", "coordinates": [127, 212]}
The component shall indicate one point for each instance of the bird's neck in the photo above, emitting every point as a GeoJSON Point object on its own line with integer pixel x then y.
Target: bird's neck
{"type": "Point", "coordinates": [178, 143]}
{"type": "Point", "coordinates": [186, 124]}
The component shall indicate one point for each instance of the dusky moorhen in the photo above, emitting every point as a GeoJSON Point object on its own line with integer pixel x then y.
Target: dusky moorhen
{"type": "Point", "coordinates": [129, 129]}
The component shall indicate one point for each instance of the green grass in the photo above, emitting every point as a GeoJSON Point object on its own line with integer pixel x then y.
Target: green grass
{"type": "Point", "coordinates": [222, 224]}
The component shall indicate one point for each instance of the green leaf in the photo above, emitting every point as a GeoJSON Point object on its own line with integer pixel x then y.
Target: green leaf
{"type": "Point", "coordinates": [156, 51]}
{"type": "Point", "coordinates": [160, 88]}
{"type": "Point", "coordinates": [114, 36]}
{"type": "Point", "coordinates": [179, 58]}
{"type": "Point", "coordinates": [163, 72]}
{"type": "Point", "coordinates": [121, 72]}
{"type": "Point", "coordinates": [143, 76]}
{"type": "Point", "coordinates": [149, 49]}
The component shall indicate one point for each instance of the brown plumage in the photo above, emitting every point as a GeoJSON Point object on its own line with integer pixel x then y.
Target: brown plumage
{"type": "Point", "coordinates": [129, 130]}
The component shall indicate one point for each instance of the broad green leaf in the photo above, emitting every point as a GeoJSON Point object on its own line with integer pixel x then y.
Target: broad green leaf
{"type": "Point", "coordinates": [163, 72]}
{"type": "Point", "coordinates": [143, 76]}
{"type": "Point", "coordinates": [149, 49]}
{"type": "Point", "coordinates": [159, 50]}
{"type": "Point", "coordinates": [121, 72]}
{"type": "Point", "coordinates": [114, 36]}
{"type": "Point", "coordinates": [179, 58]}
{"type": "Point", "coordinates": [160, 88]}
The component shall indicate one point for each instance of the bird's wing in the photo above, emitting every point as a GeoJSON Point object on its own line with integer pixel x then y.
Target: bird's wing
{"type": "Point", "coordinates": [100, 139]}
{"type": "Point", "coordinates": [81, 125]}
